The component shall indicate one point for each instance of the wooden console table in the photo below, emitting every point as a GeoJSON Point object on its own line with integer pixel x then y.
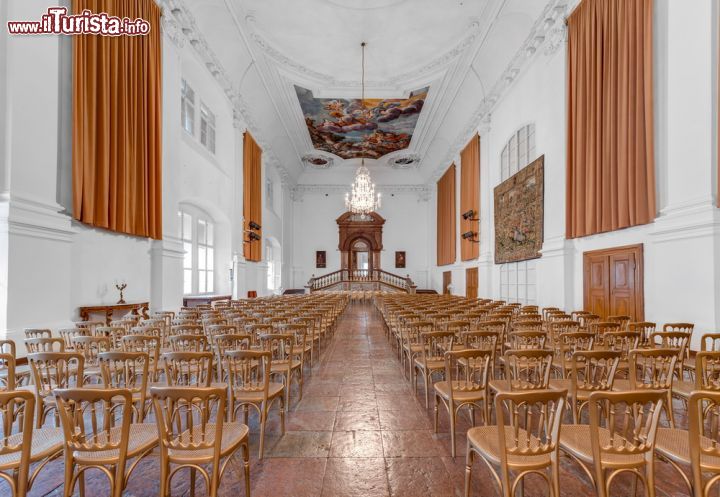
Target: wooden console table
{"type": "Point", "coordinates": [109, 310]}
{"type": "Point", "coordinates": [195, 300]}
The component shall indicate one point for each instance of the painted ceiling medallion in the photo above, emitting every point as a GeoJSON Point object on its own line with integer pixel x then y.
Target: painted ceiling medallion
{"type": "Point", "coordinates": [356, 128]}
{"type": "Point", "coordinates": [365, 4]}
{"type": "Point", "coordinates": [317, 161]}
{"type": "Point", "coordinates": [405, 161]}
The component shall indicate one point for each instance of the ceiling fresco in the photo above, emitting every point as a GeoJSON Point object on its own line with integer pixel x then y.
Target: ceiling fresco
{"type": "Point", "coordinates": [353, 129]}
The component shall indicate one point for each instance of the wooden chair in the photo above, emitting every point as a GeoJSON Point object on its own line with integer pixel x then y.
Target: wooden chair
{"type": "Point", "coordinates": [38, 333]}
{"type": "Point", "coordinates": [284, 361]}
{"type": "Point", "coordinates": [91, 347]}
{"type": "Point", "coordinates": [188, 368]}
{"type": "Point", "coordinates": [525, 369]}
{"type": "Point", "coordinates": [465, 385]}
{"type": "Point", "coordinates": [194, 435]}
{"type": "Point", "coordinates": [250, 385]}
{"type": "Point", "coordinates": [525, 440]}
{"type": "Point", "coordinates": [44, 344]}
{"type": "Point", "coordinates": [621, 443]}
{"type": "Point", "coordinates": [52, 371]}
{"type": "Point", "coordinates": [68, 334]}
{"type": "Point", "coordinates": [188, 343]}
{"type": "Point", "coordinates": [99, 433]}
{"type": "Point", "coordinates": [129, 371]}
{"type": "Point", "coordinates": [431, 359]}
{"type": "Point", "coordinates": [21, 445]}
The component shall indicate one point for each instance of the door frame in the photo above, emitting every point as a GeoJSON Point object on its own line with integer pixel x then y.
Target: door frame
{"type": "Point", "coordinates": [638, 249]}
{"type": "Point", "coordinates": [468, 272]}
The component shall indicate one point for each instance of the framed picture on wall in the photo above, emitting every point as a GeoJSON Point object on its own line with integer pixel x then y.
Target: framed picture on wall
{"type": "Point", "coordinates": [320, 259]}
{"type": "Point", "coordinates": [400, 260]}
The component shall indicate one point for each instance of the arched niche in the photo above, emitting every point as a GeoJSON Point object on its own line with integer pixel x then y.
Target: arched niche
{"type": "Point", "coordinates": [359, 234]}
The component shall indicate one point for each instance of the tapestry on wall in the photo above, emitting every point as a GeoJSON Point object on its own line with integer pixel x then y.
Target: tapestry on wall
{"type": "Point", "coordinates": [519, 213]}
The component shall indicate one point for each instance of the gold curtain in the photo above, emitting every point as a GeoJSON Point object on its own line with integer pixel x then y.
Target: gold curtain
{"type": "Point", "coordinates": [252, 195]}
{"type": "Point", "coordinates": [446, 218]}
{"type": "Point", "coordinates": [117, 125]}
{"type": "Point", "coordinates": [610, 163]}
{"type": "Point", "coordinates": [470, 196]}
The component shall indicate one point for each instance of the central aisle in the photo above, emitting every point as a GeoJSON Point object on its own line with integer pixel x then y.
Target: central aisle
{"type": "Point", "coordinates": [359, 430]}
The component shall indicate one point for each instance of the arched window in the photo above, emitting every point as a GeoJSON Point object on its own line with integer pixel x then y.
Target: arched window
{"type": "Point", "coordinates": [197, 233]}
{"type": "Point", "coordinates": [518, 279]}
{"type": "Point", "coordinates": [273, 256]}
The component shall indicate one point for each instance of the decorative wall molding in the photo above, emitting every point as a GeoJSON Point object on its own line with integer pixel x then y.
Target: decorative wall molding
{"type": "Point", "coordinates": [546, 31]}
{"type": "Point", "coordinates": [26, 216]}
{"type": "Point", "coordinates": [316, 160]}
{"type": "Point", "coordinates": [299, 191]}
{"type": "Point", "coordinates": [404, 160]}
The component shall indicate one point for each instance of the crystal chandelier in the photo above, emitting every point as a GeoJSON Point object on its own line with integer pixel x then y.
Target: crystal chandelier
{"type": "Point", "coordinates": [362, 200]}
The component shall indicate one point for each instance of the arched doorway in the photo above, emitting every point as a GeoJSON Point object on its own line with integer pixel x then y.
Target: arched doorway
{"type": "Point", "coordinates": [360, 243]}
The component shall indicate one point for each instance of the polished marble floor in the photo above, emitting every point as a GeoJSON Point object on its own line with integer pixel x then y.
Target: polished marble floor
{"type": "Point", "coordinates": [359, 431]}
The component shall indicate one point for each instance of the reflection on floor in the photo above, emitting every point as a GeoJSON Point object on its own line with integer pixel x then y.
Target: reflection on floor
{"type": "Point", "coordinates": [359, 431]}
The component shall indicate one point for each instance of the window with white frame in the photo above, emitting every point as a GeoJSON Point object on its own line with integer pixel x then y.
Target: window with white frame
{"type": "Point", "coordinates": [198, 238]}
{"type": "Point", "coordinates": [207, 128]}
{"type": "Point", "coordinates": [270, 194]}
{"type": "Point", "coordinates": [187, 109]}
{"type": "Point", "coordinates": [273, 255]}
{"type": "Point", "coordinates": [518, 279]}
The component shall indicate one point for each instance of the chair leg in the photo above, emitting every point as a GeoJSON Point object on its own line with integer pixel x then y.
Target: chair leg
{"type": "Point", "coordinates": [669, 409]}
{"type": "Point", "coordinates": [193, 473]}
{"type": "Point", "coordinates": [451, 409]}
{"type": "Point", "coordinates": [427, 388]}
{"type": "Point", "coordinates": [437, 403]}
{"type": "Point", "coordinates": [246, 464]}
{"type": "Point", "coordinates": [263, 419]}
{"type": "Point", "coordinates": [468, 470]}
{"type": "Point", "coordinates": [69, 469]}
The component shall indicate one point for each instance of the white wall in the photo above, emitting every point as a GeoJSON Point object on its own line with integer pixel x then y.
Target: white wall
{"type": "Point", "coordinates": [682, 250]}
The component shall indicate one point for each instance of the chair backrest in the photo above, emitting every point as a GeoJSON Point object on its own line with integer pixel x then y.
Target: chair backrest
{"type": "Point", "coordinates": [710, 342]}
{"type": "Point", "coordinates": [529, 424]}
{"type": "Point", "coordinates": [44, 344]}
{"type": "Point", "coordinates": [632, 422]}
{"type": "Point", "coordinates": [281, 346]}
{"type": "Point", "coordinates": [621, 341]}
{"type": "Point", "coordinates": [527, 325]}
{"type": "Point", "coordinates": [128, 370]}
{"type": "Point", "coordinates": [527, 339]}
{"type": "Point", "coordinates": [188, 343]}
{"type": "Point", "coordinates": [7, 346]}
{"type": "Point", "coordinates": [568, 343]}
{"type": "Point", "coordinates": [623, 321]}
{"type": "Point", "coordinates": [704, 433]}
{"type": "Point", "coordinates": [435, 344]}
{"type": "Point", "coordinates": [91, 347]}
{"type": "Point", "coordinates": [707, 371]}
{"type": "Point", "coordinates": [684, 327]}
{"type": "Point", "coordinates": [468, 371]}
{"type": "Point", "coordinates": [528, 369]}
{"type": "Point", "coordinates": [188, 368]}
{"type": "Point", "coordinates": [645, 328]}
{"type": "Point", "coordinates": [7, 372]}
{"type": "Point", "coordinates": [67, 334]}
{"type": "Point", "coordinates": [90, 417]}
{"type": "Point", "coordinates": [187, 329]}
{"type": "Point", "coordinates": [190, 422]}
{"type": "Point", "coordinates": [593, 370]}
{"type": "Point", "coordinates": [52, 370]}
{"type": "Point", "coordinates": [214, 330]}
{"type": "Point", "coordinates": [115, 334]}
{"type": "Point", "coordinates": [481, 340]}
{"type": "Point", "coordinates": [38, 333]}
{"type": "Point", "coordinates": [557, 328]}
{"type": "Point", "coordinates": [17, 439]}
{"type": "Point", "coordinates": [652, 368]}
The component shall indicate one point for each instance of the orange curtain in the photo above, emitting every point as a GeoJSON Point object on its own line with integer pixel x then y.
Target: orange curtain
{"type": "Point", "coordinates": [252, 195]}
{"type": "Point", "coordinates": [610, 164]}
{"type": "Point", "coordinates": [446, 218]}
{"type": "Point", "coordinates": [470, 197]}
{"type": "Point", "coordinates": [117, 126]}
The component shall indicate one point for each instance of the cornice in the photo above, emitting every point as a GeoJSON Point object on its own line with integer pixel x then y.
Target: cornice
{"type": "Point", "coordinates": [180, 24]}
{"type": "Point", "coordinates": [548, 33]}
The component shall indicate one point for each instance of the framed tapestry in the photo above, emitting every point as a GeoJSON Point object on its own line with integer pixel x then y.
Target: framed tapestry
{"type": "Point", "coordinates": [320, 259]}
{"type": "Point", "coordinates": [519, 215]}
{"type": "Point", "coordinates": [400, 260]}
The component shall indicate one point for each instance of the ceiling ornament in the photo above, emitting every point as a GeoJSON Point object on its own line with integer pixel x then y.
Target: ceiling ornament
{"type": "Point", "coordinates": [545, 32]}
{"type": "Point", "coordinates": [317, 161]}
{"type": "Point", "coordinates": [241, 110]}
{"type": "Point", "coordinates": [404, 161]}
{"type": "Point", "coordinates": [366, 4]}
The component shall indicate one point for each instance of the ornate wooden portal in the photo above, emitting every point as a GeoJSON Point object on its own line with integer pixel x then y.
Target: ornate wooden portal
{"type": "Point", "coordinates": [358, 234]}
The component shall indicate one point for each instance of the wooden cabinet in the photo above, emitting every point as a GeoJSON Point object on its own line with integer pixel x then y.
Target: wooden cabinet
{"type": "Point", "coordinates": [613, 282]}
{"type": "Point", "coordinates": [471, 282]}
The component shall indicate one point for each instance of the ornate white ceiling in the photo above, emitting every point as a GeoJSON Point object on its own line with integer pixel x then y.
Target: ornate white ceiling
{"type": "Point", "coordinates": [467, 51]}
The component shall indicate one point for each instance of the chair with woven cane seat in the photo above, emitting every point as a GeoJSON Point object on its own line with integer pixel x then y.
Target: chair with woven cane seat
{"type": "Point", "coordinates": [677, 340]}
{"type": "Point", "coordinates": [53, 370]}
{"type": "Point", "coordinates": [621, 442]}
{"type": "Point", "coordinates": [226, 343]}
{"type": "Point", "coordinates": [707, 376]}
{"type": "Point", "coordinates": [525, 369]}
{"type": "Point", "coordinates": [565, 345]}
{"type": "Point", "coordinates": [623, 342]}
{"type": "Point", "coordinates": [248, 373]}
{"type": "Point", "coordinates": [91, 347]}
{"type": "Point", "coordinates": [99, 433]}
{"type": "Point", "coordinates": [188, 368]}
{"type": "Point", "coordinates": [194, 435]}
{"type": "Point", "coordinates": [412, 343]}
{"type": "Point", "coordinates": [651, 369]}
{"type": "Point", "coordinates": [149, 345]}
{"type": "Point", "coordinates": [431, 359]}
{"type": "Point", "coordinates": [525, 441]}
{"type": "Point", "coordinates": [130, 371]}
{"type": "Point", "coordinates": [284, 363]}
{"type": "Point", "coordinates": [590, 371]}
{"type": "Point", "coordinates": [697, 447]}
{"type": "Point", "coordinates": [21, 445]}
{"type": "Point", "coordinates": [465, 385]}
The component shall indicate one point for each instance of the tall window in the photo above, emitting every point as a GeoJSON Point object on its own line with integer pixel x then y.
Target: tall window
{"type": "Point", "coordinates": [518, 279]}
{"type": "Point", "coordinates": [198, 237]}
{"type": "Point", "coordinates": [207, 128]}
{"type": "Point", "coordinates": [270, 194]}
{"type": "Point", "coordinates": [187, 110]}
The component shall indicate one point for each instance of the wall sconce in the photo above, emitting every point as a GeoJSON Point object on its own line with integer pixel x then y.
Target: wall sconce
{"type": "Point", "coordinates": [469, 216]}
{"type": "Point", "coordinates": [254, 226]}
{"type": "Point", "coordinates": [470, 235]}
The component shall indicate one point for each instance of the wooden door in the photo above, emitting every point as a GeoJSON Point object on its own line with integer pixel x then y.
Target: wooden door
{"type": "Point", "coordinates": [471, 283]}
{"type": "Point", "coordinates": [613, 282]}
{"type": "Point", "coordinates": [447, 281]}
